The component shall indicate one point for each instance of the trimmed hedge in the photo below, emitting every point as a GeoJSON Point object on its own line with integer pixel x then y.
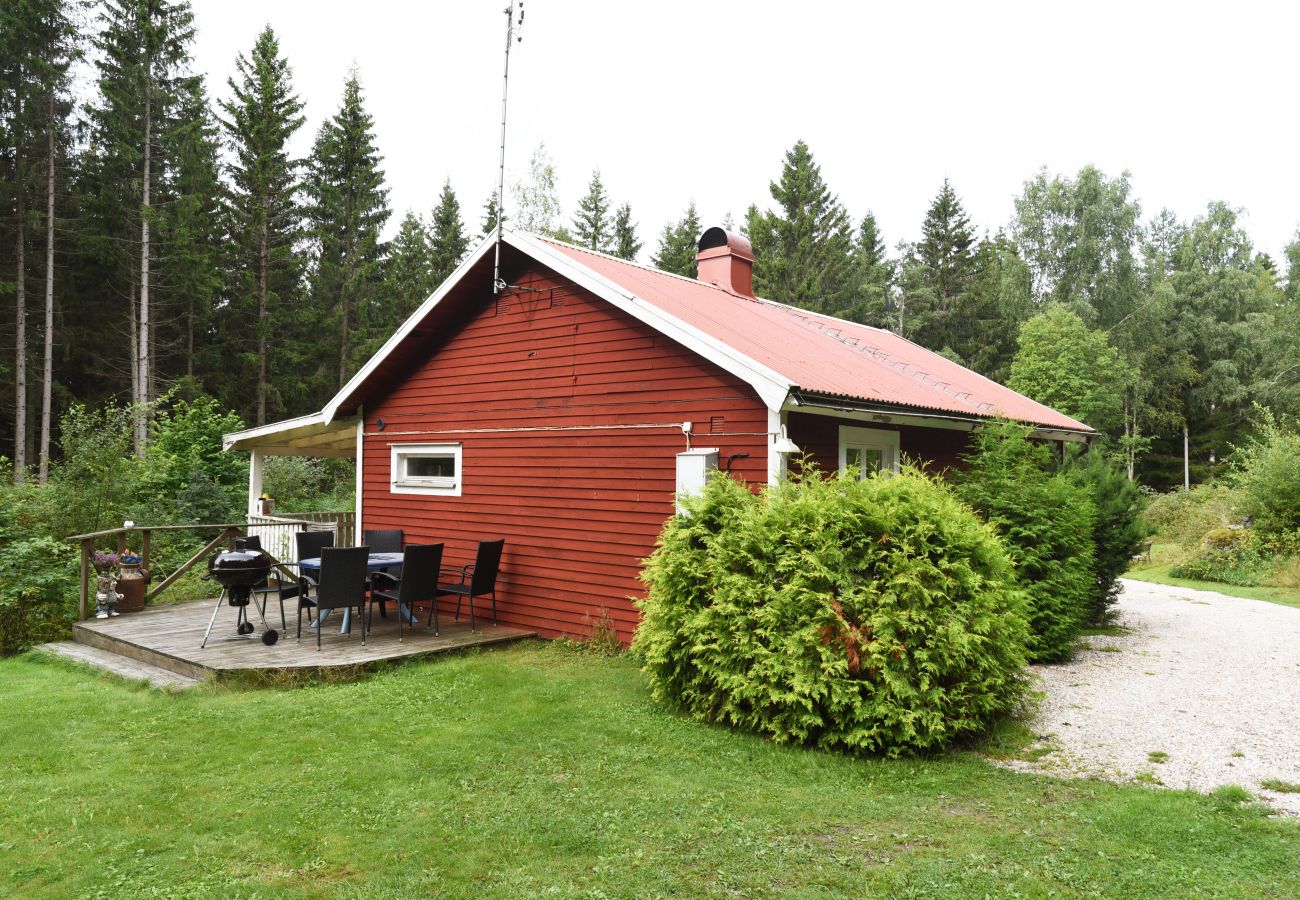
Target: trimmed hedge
{"type": "Point", "coordinates": [1047, 522]}
{"type": "Point", "coordinates": [874, 616]}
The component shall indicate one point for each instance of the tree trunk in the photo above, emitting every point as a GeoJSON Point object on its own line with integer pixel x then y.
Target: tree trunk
{"type": "Point", "coordinates": [343, 343]}
{"type": "Point", "coordinates": [20, 320]}
{"type": "Point", "coordinates": [262, 264]}
{"type": "Point", "coordinates": [189, 338]}
{"type": "Point", "coordinates": [142, 346]}
{"type": "Point", "coordinates": [47, 375]}
{"type": "Point", "coordinates": [1187, 466]}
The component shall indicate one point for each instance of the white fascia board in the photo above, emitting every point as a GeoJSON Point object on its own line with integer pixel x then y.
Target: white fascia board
{"type": "Point", "coordinates": [771, 386]}
{"type": "Point", "coordinates": [228, 441]}
{"type": "Point", "coordinates": [485, 246]}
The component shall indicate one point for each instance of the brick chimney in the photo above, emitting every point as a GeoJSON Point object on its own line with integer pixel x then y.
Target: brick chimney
{"type": "Point", "coordinates": [727, 260]}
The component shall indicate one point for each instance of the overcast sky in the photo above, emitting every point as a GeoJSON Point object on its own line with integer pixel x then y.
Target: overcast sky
{"type": "Point", "coordinates": [673, 100]}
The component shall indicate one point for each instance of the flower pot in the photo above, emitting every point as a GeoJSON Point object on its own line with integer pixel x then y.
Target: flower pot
{"type": "Point", "coordinates": [132, 583]}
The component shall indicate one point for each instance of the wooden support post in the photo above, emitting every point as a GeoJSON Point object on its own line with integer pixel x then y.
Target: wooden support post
{"type": "Point", "coordinates": [144, 548]}
{"type": "Point", "coordinates": [83, 608]}
{"type": "Point", "coordinates": [121, 542]}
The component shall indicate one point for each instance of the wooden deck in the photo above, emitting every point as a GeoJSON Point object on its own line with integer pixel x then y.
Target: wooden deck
{"type": "Point", "coordinates": [169, 635]}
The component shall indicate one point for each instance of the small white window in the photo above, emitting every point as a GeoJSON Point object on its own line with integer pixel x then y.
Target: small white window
{"type": "Point", "coordinates": [425, 469]}
{"type": "Point", "coordinates": [869, 450]}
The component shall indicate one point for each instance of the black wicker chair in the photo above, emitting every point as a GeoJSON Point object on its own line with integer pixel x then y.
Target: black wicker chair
{"type": "Point", "coordinates": [385, 540]}
{"type": "Point", "coordinates": [342, 585]}
{"type": "Point", "coordinates": [478, 579]}
{"type": "Point", "coordinates": [421, 565]}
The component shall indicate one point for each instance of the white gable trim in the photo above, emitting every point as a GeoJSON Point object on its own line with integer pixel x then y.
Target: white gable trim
{"type": "Point", "coordinates": [331, 409]}
{"type": "Point", "coordinates": [771, 387]}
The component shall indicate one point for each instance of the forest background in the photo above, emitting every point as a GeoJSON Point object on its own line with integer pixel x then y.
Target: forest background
{"type": "Point", "coordinates": [156, 244]}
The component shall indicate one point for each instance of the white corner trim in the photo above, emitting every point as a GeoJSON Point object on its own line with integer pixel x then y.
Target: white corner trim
{"type": "Point", "coordinates": [360, 491]}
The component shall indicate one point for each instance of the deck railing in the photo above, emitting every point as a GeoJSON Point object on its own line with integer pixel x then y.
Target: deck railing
{"type": "Point", "coordinates": [226, 532]}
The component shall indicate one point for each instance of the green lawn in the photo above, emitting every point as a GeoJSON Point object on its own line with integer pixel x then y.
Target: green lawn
{"type": "Point", "coordinates": [1165, 556]}
{"type": "Point", "coordinates": [536, 770]}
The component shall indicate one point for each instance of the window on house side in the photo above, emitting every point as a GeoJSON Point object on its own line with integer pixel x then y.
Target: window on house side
{"type": "Point", "coordinates": [868, 450]}
{"type": "Point", "coordinates": [425, 469]}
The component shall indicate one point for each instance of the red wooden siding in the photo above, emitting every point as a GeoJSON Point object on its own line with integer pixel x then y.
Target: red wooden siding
{"type": "Point", "coordinates": [579, 500]}
{"type": "Point", "coordinates": [936, 448]}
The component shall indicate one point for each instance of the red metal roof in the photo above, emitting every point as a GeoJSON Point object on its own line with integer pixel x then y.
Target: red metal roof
{"type": "Point", "coordinates": [820, 354]}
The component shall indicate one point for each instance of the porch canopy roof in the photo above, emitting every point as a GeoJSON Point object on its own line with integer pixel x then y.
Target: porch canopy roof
{"type": "Point", "coordinates": [309, 435]}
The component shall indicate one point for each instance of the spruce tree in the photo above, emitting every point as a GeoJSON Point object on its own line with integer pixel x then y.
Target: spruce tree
{"type": "Point", "coordinates": [39, 43]}
{"type": "Point", "coordinates": [592, 227]}
{"type": "Point", "coordinates": [347, 208]}
{"type": "Point", "coordinates": [804, 249]}
{"type": "Point", "coordinates": [143, 53]}
{"type": "Point", "coordinates": [261, 118]}
{"type": "Point", "coordinates": [678, 244]}
{"type": "Point", "coordinates": [447, 244]}
{"type": "Point", "coordinates": [625, 244]}
{"type": "Point", "coordinates": [491, 210]}
{"type": "Point", "coordinates": [873, 276]}
{"type": "Point", "coordinates": [194, 232]}
{"type": "Point", "coordinates": [938, 271]}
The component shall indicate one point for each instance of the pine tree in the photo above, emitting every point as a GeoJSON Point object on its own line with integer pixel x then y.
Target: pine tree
{"type": "Point", "coordinates": [448, 244]}
{"type": "Point", "coordinates": [143, 54]}
{"type": "Point", "coordinates": [678, 244]}
{"type": "Point", "coordinates": [347, 208]}
{"type": "Point", "coordinates": [804, 249]}
{"type": "Point", "coordinates": [261, 118]}
{"type": "Point", "coordinates": [591, 226]}
{"type": "Point", "coordinates": [626, 245]}
{"type": "Point", "coordinates": [407, 282]}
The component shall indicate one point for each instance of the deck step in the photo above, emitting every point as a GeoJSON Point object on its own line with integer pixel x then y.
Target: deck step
{"type": "Point", "coordinates": [124, 666]}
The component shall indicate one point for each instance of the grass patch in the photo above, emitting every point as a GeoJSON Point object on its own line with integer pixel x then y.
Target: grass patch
{"type": "Point", "coordinates": [1166, 556]}
{"type": "Point", "coordinates": [526, 771]}
{"type": "Point", "coordinates": [1280, 786]}
{"type": "Point", "coordinates": [1158, 756]}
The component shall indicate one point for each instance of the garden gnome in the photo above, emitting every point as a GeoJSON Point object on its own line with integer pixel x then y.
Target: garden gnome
{"type": "Point", "coordinates": [106, 595]}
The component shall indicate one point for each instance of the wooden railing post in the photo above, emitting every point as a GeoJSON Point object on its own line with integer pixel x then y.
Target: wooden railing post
{"type": "Point", "coordinates": [83, 608]}
{"type": "Point", "coordinates": [121, 542]}
{"type": "Point", "coordinates": [144, 548]}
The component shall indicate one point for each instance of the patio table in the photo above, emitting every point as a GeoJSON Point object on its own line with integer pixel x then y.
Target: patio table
{"type": "Point", "coordinates": [376, 562]}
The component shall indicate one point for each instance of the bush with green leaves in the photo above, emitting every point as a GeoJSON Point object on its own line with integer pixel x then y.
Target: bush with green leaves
{"type": "Point", "coordinates": [1118, 528]}
{"type": "Point", "coordinates": [1184, 516]}
{"type": "Point", "coordinates": [38, 591]}
{"type": "Point", "coordinates": [872, 616]}
{"type": "Point", "coordinates": [1046, 520]}
{"type": "Point", "coordinates": [1228, 556]}
{"type": "Point", "coordinates": [309, 484]}
{"type": "Point", "coordinates": [1266, 473]}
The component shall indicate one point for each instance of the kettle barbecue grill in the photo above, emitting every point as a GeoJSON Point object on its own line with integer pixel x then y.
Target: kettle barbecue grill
{"type": "Point", "coordinates": [239, 572]}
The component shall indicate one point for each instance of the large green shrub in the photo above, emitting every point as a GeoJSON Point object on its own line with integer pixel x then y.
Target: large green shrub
{"type": "Point", "coordinates": [874, 616]}
{"type": "Point", "coordinates": [1185, 516]}
{"type": "Point", "coordinates": [1046, 520]}
{"type": "Point", "coordinates": [1266, 472]}
{"type": "Point", "coordinates": [1228, 556]}
{"type": "Point", "coordinates": [1118, 528]}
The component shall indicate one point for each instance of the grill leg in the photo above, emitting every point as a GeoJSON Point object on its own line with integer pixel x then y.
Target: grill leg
{"type": "Point", "coordinates": [216, 610]}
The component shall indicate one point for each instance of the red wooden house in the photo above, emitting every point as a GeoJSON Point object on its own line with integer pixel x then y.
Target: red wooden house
{"type": "Point", "coordinates": [564, 412]}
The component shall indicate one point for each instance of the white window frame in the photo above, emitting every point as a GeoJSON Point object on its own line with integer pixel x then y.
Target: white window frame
{"type": "Point", "coordinates": [400, 483]}
{"type": "Point", "coordinates": [887, 442]}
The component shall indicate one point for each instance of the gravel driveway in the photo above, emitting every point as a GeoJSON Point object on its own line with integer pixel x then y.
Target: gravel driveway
{"type": "Point", "coordinates": [1210, 682]}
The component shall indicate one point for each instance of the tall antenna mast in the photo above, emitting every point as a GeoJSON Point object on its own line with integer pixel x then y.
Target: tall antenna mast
{"type": "Point", "coordinates": [511, 26]}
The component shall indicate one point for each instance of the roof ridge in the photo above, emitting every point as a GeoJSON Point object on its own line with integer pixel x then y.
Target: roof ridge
{"type": "Point", "coordinates": [631, 262]}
